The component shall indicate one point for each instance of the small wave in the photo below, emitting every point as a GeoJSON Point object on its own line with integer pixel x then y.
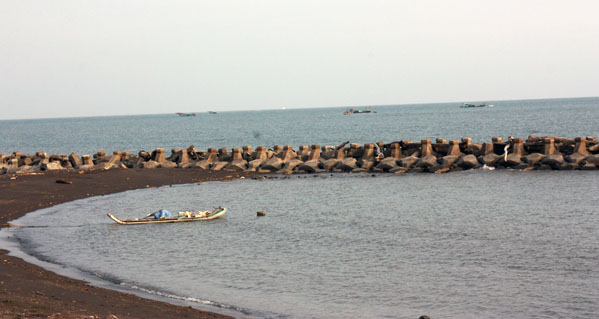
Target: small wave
{"type": "Point", "coordinates": [185, 298]}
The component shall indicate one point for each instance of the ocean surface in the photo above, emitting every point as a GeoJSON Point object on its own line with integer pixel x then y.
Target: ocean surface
{"type": "Point", "coordinates": [471, 244]}
{"type": "Point", "coordinates": [324, 126]}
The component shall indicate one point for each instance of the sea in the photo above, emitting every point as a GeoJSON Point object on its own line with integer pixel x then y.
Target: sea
{"type": "Point", "coordinates": [470, 244]}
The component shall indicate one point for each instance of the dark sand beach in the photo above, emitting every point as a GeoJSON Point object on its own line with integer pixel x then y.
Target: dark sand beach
{"type": "Point", "coordinates": [28, 291]}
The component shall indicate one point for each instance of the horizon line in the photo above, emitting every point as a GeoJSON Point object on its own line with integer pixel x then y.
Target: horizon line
{"type": "Point", "coordinates": [281, 108]}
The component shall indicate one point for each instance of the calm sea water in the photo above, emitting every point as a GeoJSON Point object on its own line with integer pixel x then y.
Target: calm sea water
{"type": "Point", "coordinates": [473, 244]}
{"type": "Point", "coordinates": [325, 126]}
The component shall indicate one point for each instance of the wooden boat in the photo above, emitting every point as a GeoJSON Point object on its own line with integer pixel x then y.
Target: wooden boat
{"type": "Point", "coordinates": [185, 217]}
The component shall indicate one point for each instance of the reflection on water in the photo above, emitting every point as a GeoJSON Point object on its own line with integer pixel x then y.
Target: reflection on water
{"type": "Point", "coordinates": [499, 244]}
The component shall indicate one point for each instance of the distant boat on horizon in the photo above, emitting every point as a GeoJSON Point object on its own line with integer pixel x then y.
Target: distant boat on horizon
{"type": "Point", "coordinates": [212, 112]}
{"type": "Point", "coordinates": [469, 105]}
{"type": "Point", "coordinates": [352, 111]}
{"type": "Point", "coordinates": [185, 114]}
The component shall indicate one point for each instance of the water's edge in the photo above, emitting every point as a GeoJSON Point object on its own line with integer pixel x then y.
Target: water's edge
{"type": "Point", "coordinates": [15, 249]}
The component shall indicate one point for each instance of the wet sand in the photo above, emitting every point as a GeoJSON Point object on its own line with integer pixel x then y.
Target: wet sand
{"type": "Point", "coordinates": [28, 291]}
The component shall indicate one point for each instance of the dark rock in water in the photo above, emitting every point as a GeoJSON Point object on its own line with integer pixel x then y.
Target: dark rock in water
{"type": "Point", "coordinates": [543, 167]}
{"type": "Point", "coordinates": [259, 157]}
{"type": "Point", "coordinates": [591, 159]}
{"type": "Point", "coordinates": [489, 159]}
{"type": "Point", "coordinates": [474, 149]}
{"type": "Point", "coordinates": [365, 164]}
{"type": "Point", "coordinates": [310, 166]}
{"type": "Point", "coordinates": [355, 150]}
{"type": "Point", "coordinates": [408, 161]}
{"type": "Point", "coordinates": [448, 160]}
{"type": "Point", "coordinates": [439, 169]}
{"type": "Point", "coordinates": [588, 166]}
{"type": "Point", "coordinates": [522, 166]}
{"type": "Point", "coordinates": [567, 166]}
{"type": "Point", "coordinates": [399, 170]}
{"type": "Point", "coordinates": [347, 164]}
{"type": "Point", "coordinates": [255, 164]}
{"type": "Point", "coordinates": [328, 164]}
{"type": "Point", "coordinates": [426, 162]}
{"type": "Point", "coordinates": [512, 160]}
{"type": "Point", "coordinates": [236, 165]}
{"type": "Point", "coordinates": [387, 164]}
{"type": "Point", "coordinates": [292, 164]}
{"type": "Point", "coordinates": [273, 164]}
{"type": "Point", "coordinates": [261, 213]}
{"type": "Point", "coordinates": [468, 161]}
{"type": "Point", "coordinates": [532, 159]}
{"type": "Point", "coordinates": [575, 158]}
{"type": "Point", "coordinates": [580, 151]}
{"type": "Point", "coordinates": [554, 160]}
{"type": "Point", "coordinates": [212, 157]}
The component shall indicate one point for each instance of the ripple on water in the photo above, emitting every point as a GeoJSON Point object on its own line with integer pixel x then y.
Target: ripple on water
{"type": "Point", "coordinates": [469, 244]}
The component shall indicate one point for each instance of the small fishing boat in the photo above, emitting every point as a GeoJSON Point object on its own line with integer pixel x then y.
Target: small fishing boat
{"type": "Point", "coordinates": [183, 217]}
{"type": "Point", "coordinates": [185, 114]}
{"type": "Point", "coordinates": [352, 111]}
{"type": "Point", "coordinates": [469, 105]}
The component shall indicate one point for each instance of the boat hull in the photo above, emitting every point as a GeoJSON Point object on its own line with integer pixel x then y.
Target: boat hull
{"type": "Point", "coordinates": [212, 215]}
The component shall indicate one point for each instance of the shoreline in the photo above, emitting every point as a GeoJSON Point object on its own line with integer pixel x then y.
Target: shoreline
{"type": "Point", "coordinates": [28, 290]}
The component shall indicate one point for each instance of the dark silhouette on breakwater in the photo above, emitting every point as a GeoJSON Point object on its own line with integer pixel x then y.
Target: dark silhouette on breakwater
{"type": "Point", "coordinates": [536, 153]}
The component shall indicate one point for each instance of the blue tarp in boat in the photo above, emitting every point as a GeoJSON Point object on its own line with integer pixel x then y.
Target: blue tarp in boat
{"type": "Point", "coordinates": [163, 213]}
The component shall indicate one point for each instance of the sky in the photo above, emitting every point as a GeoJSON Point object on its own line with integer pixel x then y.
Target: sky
{"type": "Point", "coordinates": [93, 58]}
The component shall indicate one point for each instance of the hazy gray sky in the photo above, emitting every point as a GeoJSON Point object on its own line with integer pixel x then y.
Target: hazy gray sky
{"type": "Point", "coordinates": [86, 58]}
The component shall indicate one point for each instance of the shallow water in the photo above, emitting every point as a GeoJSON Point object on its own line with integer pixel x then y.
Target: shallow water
{"type": "Point", "coordinates": [490, 244]}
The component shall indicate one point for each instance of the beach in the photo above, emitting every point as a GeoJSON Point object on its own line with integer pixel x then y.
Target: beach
{"type": "Point", "coordinates": [28, 291]}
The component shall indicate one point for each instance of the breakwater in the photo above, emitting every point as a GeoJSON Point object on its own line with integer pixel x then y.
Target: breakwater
{"type": "Point", "coordinates": [440, 156]}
